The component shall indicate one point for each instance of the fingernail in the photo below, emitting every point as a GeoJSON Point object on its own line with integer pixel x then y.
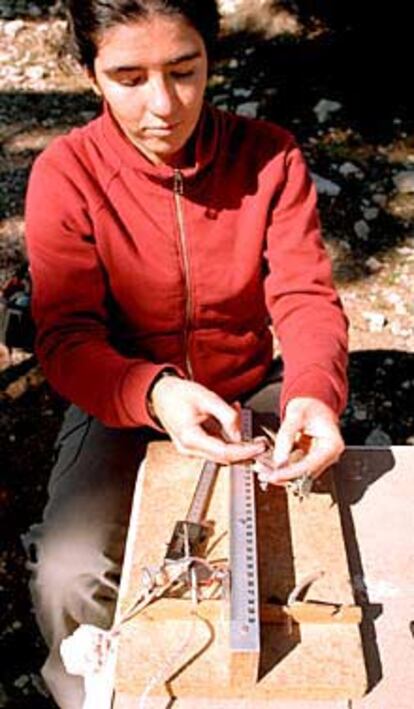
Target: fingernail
{"type": "Point", "coordinates": [233, 436]}
{"type": "Point", "coordinates": [261, 439]}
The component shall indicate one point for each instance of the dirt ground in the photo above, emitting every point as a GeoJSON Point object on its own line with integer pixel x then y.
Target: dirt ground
{"type": "Point", "coordinates": [320, 73]}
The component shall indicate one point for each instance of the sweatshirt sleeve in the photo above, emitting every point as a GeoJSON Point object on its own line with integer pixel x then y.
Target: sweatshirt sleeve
{"type": "Point", "coordinates": [305, 308]}
{"type": "Point", "coordinates": [69, 305]}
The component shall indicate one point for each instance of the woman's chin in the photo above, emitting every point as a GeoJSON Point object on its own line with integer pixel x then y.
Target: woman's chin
{"type": "Point", "coordinates": [161, 150]}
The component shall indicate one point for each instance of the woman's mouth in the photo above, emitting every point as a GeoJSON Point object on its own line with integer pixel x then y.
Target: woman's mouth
{"type": "Point", "coordinates": [166, 129]}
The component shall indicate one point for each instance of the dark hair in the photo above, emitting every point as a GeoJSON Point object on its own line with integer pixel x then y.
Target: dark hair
{"type": "Point", "coordinates": [88, 19]}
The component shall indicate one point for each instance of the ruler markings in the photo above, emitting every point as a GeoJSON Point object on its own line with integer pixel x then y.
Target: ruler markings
{"type": "Point", "coordinates": [244, 597]}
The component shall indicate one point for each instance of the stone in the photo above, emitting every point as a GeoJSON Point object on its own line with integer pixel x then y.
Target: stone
{"type": "Point", "coordinates": [324, 108]}
{"type": "Point", "coordinates": [376, 321]}
{"type": "Point", "coordinates": [227, 6]}
{"type": "Point", "coordinates": [378, 437]}
{"type": "Point", "coordinates": [360, 413]}
{"type": "Point", "coordinates": [34, 11]}
{"type": "Point", "coordinates": [362, 229]}
{"type": "Point", "coordinates": [380, 199]}
{"type": "Point", "coordinates": [404, 182]}
{"type": "Point", "coordinates": [404, 250]}
{"type": "Point", "coordinates": [11, 29]}
{"type": "Point", "coordinates": [396, 329]}
{"type": "Point", "coordinates": [87, 115]}
{"type": "Point", "coordinates": [345, 245]}
{"type": "Point", "coordinates": [325, 186]}
{"type": "Point", "coordinates": [370, 213]}
{"type": "Point", "coordinates": [373, 264]}
{"type": "Point", "coordinates": [348, 168]}
{"type": "Point", "coordinates": [34, 73]}
{"type": "Point", "coordinates": [21, 681]}
{"type": "Point", "coordinates": [393, 299]}
{"type": "Point", "coordinates": [250, 110]}
{"type": "Point", "coordinates": [242, 93]}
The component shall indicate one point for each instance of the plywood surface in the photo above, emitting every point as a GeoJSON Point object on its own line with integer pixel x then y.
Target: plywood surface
{"type": "Point", "coordinates": [295, 540]}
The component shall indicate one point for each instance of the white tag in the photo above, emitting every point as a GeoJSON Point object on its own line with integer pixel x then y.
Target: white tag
{"type": "Point", "coordinates": [90, 652]}
{"type": "Point", "coordinates": [87, 650]}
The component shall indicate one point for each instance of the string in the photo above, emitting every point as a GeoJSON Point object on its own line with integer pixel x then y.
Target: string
{"type": "Point", "coordinates": [169, 574]}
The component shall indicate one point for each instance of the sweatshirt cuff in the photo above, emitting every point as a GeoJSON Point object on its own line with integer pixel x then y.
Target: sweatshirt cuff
{"type": "Point", "coordinates": [137, 383]}
{"type": "Point", "coordinates": [317, 385]}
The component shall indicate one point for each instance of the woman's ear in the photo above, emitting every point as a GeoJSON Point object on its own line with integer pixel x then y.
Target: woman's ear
{"type": "Point", "coordinates": [92, 79]}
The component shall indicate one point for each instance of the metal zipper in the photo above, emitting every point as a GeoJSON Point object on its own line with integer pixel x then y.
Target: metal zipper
{"type": "Point", "coordinates": [178, 194]}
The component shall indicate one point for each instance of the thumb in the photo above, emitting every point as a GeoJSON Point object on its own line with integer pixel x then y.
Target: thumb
{"type": "Point", "coordinates": [231, 423]}
{"type": "Point", "coordinates": [285, 440]}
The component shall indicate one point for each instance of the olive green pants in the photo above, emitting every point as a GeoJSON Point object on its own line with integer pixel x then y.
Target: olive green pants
{"type": "Point", "coordinates": [75, 554]}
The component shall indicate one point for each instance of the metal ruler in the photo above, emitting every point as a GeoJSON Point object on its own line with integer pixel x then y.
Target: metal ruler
{"type": "Point", "coordinates": [244, 594]}
{"type": "Point", "coordinates": [203, 492]}
{"type": "Point", "coordinates": [190, 538]}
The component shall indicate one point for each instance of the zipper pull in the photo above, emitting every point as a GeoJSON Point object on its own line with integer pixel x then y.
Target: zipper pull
{"type": "Point", "coordinates": [178, 182]}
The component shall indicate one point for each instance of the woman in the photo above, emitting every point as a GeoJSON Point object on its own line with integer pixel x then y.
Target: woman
{"type": "Point", "coordinates": [161, 237]}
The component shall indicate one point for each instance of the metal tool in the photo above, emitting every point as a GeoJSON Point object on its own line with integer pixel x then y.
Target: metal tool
{"type": "Point", "coordinates": [190, 536]}
{"type": "Point", "coordinates": [244, 593]}
{"type": "Point", "coordinates": [301, 487]}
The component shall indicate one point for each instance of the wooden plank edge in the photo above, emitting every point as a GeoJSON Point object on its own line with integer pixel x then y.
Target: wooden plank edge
{"type": "Point", "coordinates": [270, 614]}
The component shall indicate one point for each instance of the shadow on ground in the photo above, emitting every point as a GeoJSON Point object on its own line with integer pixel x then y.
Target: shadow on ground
{"type": "Point", "coordinates": [29, 120]}
{"type": "Point", "coordinates": [381, 395]}
{"type": "Point", "coordinates": [27, 10]}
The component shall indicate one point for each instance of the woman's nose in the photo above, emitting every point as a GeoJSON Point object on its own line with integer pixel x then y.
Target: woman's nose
{"type": "Point", "coordinates": [161, 97]}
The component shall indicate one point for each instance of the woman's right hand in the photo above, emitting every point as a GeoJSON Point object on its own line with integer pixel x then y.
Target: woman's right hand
{"type": "Point", "coordinates": [200, 423]}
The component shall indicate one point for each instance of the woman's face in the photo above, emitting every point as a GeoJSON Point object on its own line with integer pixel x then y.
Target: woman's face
{"type": "Point", "coordinates": [153, 75]}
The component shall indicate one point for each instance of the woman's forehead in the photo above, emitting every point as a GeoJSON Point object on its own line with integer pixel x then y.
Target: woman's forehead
{"type": "Point", "coordinates": [153, 41]}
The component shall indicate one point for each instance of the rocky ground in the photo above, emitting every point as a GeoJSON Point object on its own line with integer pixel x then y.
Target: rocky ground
{"type": "Point", "coordinates": [321, 76]}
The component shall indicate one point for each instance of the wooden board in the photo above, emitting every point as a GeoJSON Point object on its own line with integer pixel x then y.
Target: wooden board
{"type": "Point", "coordinates": [295, 539]}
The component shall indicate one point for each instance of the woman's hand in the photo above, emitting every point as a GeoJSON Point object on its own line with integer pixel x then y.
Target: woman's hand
{"type": "Point", "coordinates": [312, 427]}
{"type": "Point", "coordinates": [200, 423]}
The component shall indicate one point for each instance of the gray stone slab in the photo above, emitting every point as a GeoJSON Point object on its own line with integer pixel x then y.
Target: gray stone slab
{"type": "Point", "coordinates": [376, 490]}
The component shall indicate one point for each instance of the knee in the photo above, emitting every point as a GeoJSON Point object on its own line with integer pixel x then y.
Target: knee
{"type": "Point", "coordinates": [72, 576]}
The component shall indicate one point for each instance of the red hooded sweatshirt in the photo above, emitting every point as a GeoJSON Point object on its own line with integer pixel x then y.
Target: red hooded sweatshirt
{"type": "Point", "coordinates": [137, 267]}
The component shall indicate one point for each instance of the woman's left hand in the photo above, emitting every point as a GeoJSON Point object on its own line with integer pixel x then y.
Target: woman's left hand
{"type": "Point", "coordinates": [311, 426]}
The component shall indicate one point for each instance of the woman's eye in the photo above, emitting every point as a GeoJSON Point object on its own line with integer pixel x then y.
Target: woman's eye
{"type": "Point", "coordinates": [130, 81]}
{"type": "Point", "coordinates": [182, 74]}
